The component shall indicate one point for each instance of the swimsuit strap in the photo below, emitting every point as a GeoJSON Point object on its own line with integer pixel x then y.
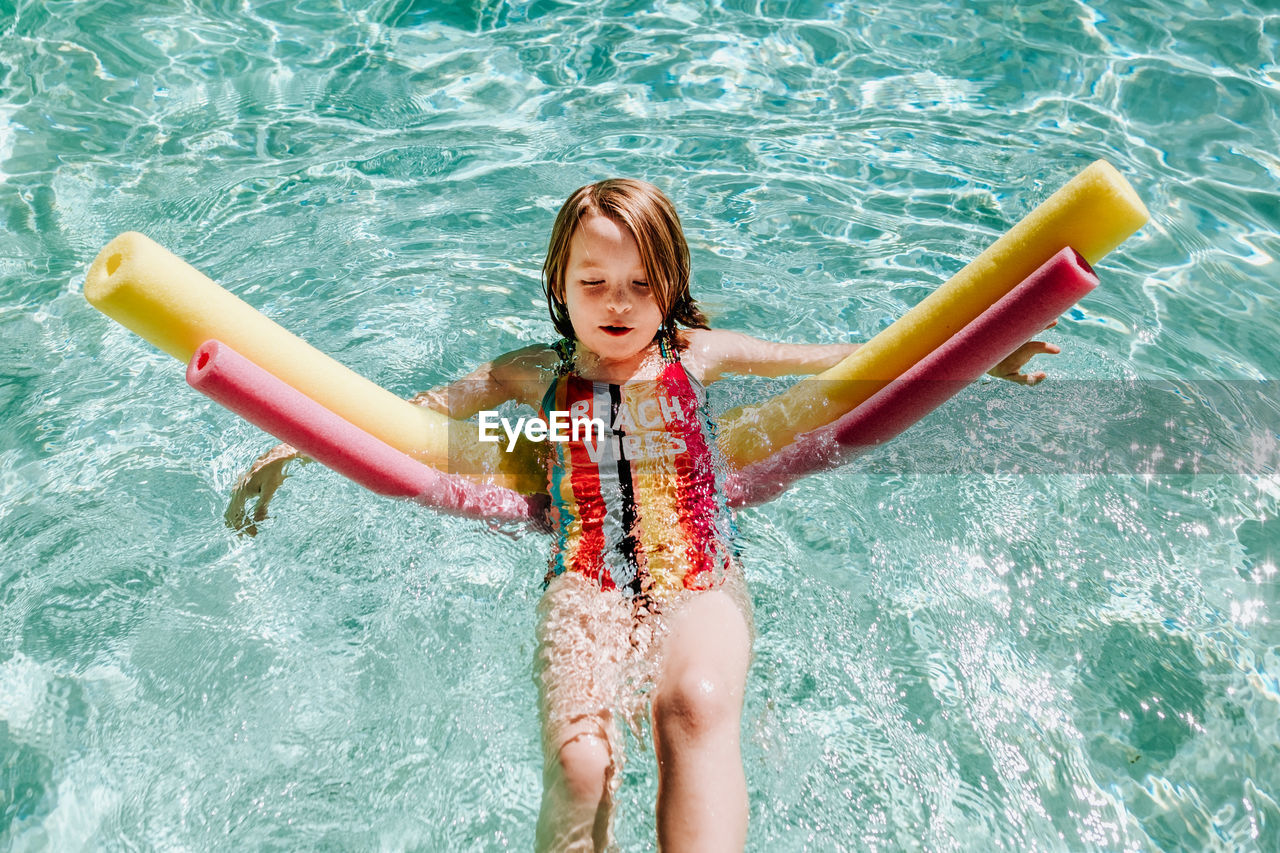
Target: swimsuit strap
{"type": "Point", "coordinates": [564, 348]}
{"type": "Point", "coordinates": [671, 356]}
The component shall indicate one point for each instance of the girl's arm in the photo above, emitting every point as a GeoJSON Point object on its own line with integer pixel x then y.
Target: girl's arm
{"type": "Point", "coordinates": [520, 375]}
{"type": "Point", "coordinates": [515, 376]}
{"type": "Point", "coordinates": [716, 352]}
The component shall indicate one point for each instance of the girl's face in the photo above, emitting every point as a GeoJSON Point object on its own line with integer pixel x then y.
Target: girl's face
{"type": "Point", "coordinates": [606, 294]}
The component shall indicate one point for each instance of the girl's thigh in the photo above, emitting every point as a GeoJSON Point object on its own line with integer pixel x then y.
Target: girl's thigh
{"type": "Point", "coordinates": [709, 643]}
{"type": "Point", "coordinates": [584, 664]}
{"type": "Point", "coordinates": [596, 665]}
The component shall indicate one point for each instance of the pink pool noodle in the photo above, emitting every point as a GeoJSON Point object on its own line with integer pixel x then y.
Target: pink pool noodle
{"type": "Point", "coordinates": [230, 379]}
{"type": "Point", "coordinates": [1013, 320]}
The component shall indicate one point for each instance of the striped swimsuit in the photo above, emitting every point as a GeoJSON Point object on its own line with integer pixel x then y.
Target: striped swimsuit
{"type": "Point", "coordinates": [641, 510]}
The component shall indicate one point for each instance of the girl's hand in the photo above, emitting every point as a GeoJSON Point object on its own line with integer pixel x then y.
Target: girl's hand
{"type": "Point", "coordinates": [261, 482]}
{"type": "Point", "coordinates": [1011, 367]}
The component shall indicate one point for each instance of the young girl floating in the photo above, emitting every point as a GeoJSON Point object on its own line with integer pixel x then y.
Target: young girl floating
{"type": "Point", "coordinates": [645, 607]}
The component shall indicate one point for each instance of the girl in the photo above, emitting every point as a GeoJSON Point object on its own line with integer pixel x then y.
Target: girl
{"type": "Point", "coordinates": [644, 607]}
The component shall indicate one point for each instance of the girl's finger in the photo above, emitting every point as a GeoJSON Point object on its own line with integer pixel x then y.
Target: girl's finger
{"type": "Point", "coordinates": [234, 515]}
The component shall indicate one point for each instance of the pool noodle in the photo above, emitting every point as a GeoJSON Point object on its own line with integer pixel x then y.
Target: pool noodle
{"type": "Point", "coordinates": [228, 378]}
{"type": "Point", "coordinates": [967, 355]}
{"type": "Point", "coordinates": [162, 298]}
{"type": "Point", "coordinates": [170, 303]}
{"type": "Point", "coordinates": [1093, 212]}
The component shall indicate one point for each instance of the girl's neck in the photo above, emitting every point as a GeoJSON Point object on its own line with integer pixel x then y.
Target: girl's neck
{"type": "Point", "coordinates": [646, 364]}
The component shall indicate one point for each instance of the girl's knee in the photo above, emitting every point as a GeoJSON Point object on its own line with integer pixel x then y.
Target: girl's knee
{"type": "Point", "coordinates": [696, 705]}
{"type": "Point", "coordinates": [702, 682]}
{"type": "Point", "coordinates": [583, 768]}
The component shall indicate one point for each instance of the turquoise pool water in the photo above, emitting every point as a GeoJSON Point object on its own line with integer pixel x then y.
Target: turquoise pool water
{"type": "Point", "coordinates": [950, 658]}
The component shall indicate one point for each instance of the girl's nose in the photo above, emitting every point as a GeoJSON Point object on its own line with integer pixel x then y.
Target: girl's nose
{"type": "Point", "coordinates": [619, 299]}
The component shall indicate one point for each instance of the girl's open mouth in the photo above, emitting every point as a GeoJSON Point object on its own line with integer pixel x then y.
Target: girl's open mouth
{"type": "Point", "coordinates": [616, 330]}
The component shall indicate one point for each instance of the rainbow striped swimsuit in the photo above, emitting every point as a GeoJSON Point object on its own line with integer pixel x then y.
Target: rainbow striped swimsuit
{"type": "Point", "coordinates": [640, 510]}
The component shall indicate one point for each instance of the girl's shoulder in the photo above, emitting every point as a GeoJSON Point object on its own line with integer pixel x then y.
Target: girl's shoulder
{"type": "Point", "coordinates": [530, 358]}
{"type": "Point", "coordinates": [700, 352]}
{"type": "Point", "coordinates": [525, 372]}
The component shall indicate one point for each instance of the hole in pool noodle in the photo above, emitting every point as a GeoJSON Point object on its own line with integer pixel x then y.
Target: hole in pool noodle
{"type": "Point", "coordinates": [113, 264]}
{"type": "Point", "coordinates": [202, 361]}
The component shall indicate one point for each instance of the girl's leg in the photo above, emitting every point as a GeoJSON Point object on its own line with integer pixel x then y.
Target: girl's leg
{"type": "Point", "coordinates": [576, 802]}
{"type": "Point", "coordinates": [582, 637]}
{"type": "Point", "coordinates": [697, 712]}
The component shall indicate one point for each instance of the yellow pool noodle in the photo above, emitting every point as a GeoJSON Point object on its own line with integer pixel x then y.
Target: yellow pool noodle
{"type": "Point", "coordinates": [1093, 213]}
{"type": "Point", "coordinates": [170, 303]}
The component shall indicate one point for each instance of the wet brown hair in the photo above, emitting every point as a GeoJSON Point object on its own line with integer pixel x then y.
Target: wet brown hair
{"type": "Point", "coordinates": [651, 219]}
